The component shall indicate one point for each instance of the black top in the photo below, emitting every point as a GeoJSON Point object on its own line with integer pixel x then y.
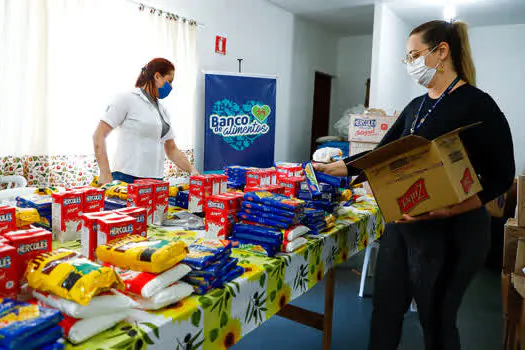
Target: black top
{"type": "Point", "coordinates": [155, 103]}
{"type": "Point", "coordinates": [489, 145]}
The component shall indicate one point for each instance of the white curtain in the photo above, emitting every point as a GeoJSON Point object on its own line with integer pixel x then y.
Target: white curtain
{"type": "Point", "coordinates": [62, 61]}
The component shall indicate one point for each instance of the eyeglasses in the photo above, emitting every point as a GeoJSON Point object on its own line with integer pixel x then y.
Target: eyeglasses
{"type": "Point", "coordinates": [414, 55]}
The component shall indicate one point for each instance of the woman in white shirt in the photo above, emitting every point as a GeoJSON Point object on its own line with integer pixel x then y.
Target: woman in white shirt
{"type": "Point", "coordinates": [145, 131]}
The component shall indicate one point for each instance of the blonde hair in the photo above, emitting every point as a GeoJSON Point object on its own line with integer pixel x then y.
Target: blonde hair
{"type": "Point", "coordinates": [456, 36]}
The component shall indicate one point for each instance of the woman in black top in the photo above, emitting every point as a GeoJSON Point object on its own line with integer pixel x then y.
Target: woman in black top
{"type": "Point", "coordinates": [433, 257]}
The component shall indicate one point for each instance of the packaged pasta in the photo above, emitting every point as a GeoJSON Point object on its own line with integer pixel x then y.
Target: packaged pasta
{"type": "Point", "coordinates": [261, 220]}
{"type": "Point", "coordinates": [203, 252]}
{"type": "Point", "coordinates": [286, 219]}
{"type": "Point", "coordinates": [276, 240]}
{"type": "Point", "coordinates": [288, 234]}
{"type": "Point", "coordinates": [148, 284]}
{"type": "Point", "coordinates": [215, 269]}
{"type": "Point", "coordinates": [269, 209]}
{"type": "Point", "coordinates": [40, 341]}
{"type": "Point", "coordinates": [261, 249]}
{"type": "Point", "coordinates": [102, 304]}
{"type": "Point", "coordinates": [20, 322]}
{"type": "Point", "coordinates": [313, 184]}
{"type": "Point", "coordinates": [138, 253]}
{"type": "Point", "coordinates": [71, 276]}
{"type": "Point", "coordinates": [80, 330]}
{"type": "Point", "coordinates": [274, 200]}
{"type": "Point", "coordinates": [58, 345]}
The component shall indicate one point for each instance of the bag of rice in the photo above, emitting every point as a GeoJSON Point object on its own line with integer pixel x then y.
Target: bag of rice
{"type": "Point", "coordinates": [80, 330]}
{"type": "Point", "coordinates": [167, 296]}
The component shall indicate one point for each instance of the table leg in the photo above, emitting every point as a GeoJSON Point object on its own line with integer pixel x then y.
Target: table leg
{"type": "Point", "coordinates": [328, 309]}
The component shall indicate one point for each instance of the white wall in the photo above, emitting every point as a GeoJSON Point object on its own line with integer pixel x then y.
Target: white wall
{"type": "Point", "coordinates": [499, 56]}
{"type": "Point", "coordinates": [354, 56]}
{"type": "Point", "coordinates": [391, 88]}
{"type": "Point", "coordinates": [314, 49]}
{"type": "Point", "coordinates": [272, 42]}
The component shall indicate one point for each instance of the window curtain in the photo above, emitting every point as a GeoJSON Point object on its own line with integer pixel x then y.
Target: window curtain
{"type": "Point", "coordinates": [62, 61]}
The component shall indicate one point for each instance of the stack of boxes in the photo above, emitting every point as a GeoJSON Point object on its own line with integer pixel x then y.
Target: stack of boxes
{"type": "Point", "coordinates": [263, 180]}
{"type": "Point", "coordinates": [237, 176]}
{"type": "Point", "coordinates": [159, 200]}
{"type": "Point", "coordinates": [202, 187]}
{"type": "Point", "coordinates": [221, 214]}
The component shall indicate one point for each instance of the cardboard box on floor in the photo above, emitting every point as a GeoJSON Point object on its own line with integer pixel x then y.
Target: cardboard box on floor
{"type": "Point", "coordinates": [518, 277]}
{"type": "Point", "coordinates": [513, 234]}
{"type": "Point", "coordinates": [414, 175]}
{"type": "Point", "coordinates": [520, 207]}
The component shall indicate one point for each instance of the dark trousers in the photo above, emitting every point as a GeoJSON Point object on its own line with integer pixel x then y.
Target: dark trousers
{"type": "Point", "coordinates": [117, 175]}
{"type": "Point", "coordinates": [432, 262]}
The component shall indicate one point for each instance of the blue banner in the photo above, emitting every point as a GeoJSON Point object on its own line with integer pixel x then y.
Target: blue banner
{"type": "Point", "coordinates": [240, 121]}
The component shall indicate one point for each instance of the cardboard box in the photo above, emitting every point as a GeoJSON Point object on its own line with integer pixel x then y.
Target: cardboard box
{"type": "Point", "coordinates": [513, 234]}
{"type": "Point", "coordinates": [201, 187]}
{"type": "Point", "coordinates": [414, 175]}
{"type": "Point", "coordinates": [141, 195]}
{"type": "Point", "coordinates": [67, 208]}
{"type": "Point", "coordinates": [88, 237]}
{"type": "Point", "coordinates": [8, 272]}
{"type": "Point", "coordinates": [115, 227]}
{"type": "Point", "coordinates": [360, 147]}
{"type": "Point", "coordinates": [520, 207]}
{"type": "Point", "coordinates": [7, 219]}
{"type": "Point", "coordinates": [141, 227]}
{"type": "Point", "coordinates": [94, 200]}
{"type": "Point", "coordinates": [161, 192]}
{"type": "Point", "coordinates": [369, 128]}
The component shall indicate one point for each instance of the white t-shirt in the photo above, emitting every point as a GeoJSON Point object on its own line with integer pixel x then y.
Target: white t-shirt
{"type": "Point", "coordinates": [140, 147]}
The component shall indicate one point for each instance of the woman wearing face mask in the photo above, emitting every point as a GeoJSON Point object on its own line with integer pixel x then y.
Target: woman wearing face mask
{"type": "Point", "coordinates": [433, 257]}
{"type": "Point", "coordinates": [146, 134]}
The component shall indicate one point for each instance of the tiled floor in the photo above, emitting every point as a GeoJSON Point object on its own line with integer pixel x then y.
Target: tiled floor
{"type": "Point", "coordinates": [479, 319]}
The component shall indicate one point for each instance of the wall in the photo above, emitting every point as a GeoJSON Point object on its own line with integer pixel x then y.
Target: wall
{"type": "Point", "coordinates": [273, 43]}
{"type": "Point", "coordinates": [391, 88]}
{"type": "Point", "coordinates": [499, 53]}
{"type": "Point", "coordinates": [354, 56]}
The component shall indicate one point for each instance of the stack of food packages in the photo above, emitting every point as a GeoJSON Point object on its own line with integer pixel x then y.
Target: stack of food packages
{"type": "Point", "coordinates": [270, 221]}
{"type": "Point", "coordinates": [179, 193]}
{"type": "Point", "coordinates": [263, 180]}
{"type": "Point", "coordinates": [221, 214]}
{"type": "Point", "coordinates": [29, 326]}
{"type": "Point", "coordinates": [237, 176]}
{"type": "Point", "coordinates": [35, 209]}
{"type": "Point", "coordinates": [211, 265]}
{"type": "Point", "coordinates": [204, 186]}
{"type": "Point", "coordinates": [79, 288]}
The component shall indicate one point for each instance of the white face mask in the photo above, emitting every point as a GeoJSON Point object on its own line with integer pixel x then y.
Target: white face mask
{"type": "Point", "coordinates": [419, 71]}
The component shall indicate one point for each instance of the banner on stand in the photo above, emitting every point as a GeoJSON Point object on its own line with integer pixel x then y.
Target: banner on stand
{"type": "Point", "coordinates": [240, 121]}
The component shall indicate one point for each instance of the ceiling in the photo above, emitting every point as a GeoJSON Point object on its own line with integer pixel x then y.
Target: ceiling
{"type": "Point", "coordinates": [356, 17]}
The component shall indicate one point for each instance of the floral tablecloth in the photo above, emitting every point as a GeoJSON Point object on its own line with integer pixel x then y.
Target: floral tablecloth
{"type": "Point", "coordinates": [220, 318]}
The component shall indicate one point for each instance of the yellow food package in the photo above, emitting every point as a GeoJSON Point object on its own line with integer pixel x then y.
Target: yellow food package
{"type": "Point", "coordinates": [46, 191]}
{"type": "Point", "coordinates": [26, 216]}
{"type": "Point", "coordinates": [174, 190]}
{"type": "Point", "coordinates": [346, 195]}
{"type": "Point", "coordinates": [118, 191]}
{"type": "Point", "coordinates": [71, 276]}
{"type": "Point", "coordinates": [138, 253]}
{"type": "Point", "coordinates": [94, 183]}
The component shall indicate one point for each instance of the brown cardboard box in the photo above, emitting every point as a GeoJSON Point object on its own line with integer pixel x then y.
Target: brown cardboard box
{"type": "Point", "coordinates": [510, 244]}
{"type": "Point", "coordinates": [414, 175]}
{"type": "Point", "coordinates": [518, 277]}
{"type": "Point", "coordinates": [520, 207]}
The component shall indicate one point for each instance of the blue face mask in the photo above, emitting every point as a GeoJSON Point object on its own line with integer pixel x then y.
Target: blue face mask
{"type": "Point", "coordinates": [165, 90]}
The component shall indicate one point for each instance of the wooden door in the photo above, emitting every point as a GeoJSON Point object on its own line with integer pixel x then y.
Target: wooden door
{"type": "Point", "coordinates": [321, 108]}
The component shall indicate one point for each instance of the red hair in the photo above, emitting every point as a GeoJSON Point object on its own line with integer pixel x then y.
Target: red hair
{"type": "Point", "coordinates": [146, 78]}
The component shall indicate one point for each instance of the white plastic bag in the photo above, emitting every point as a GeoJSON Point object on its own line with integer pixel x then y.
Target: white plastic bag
{"type": "Point", "coordinates": [295, 244]}
{"type": "Point", "coordinates": [294, 232]}
{"type": "Point", "coordinates": [327, 154]}
{"type": "Point", "coordinates": [343, 124]}
{"type": "Point", "coordinates": [103, 304]}
{"type": "Point", "coordinates": [148, 284]}
{"type": "Point", "coordinates": [168, 296]}
{"type": "Point", "coordinates": [80, 330]}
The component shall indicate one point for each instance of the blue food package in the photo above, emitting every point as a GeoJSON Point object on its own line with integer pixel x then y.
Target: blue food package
{"type": "Point", "coordinates": [201, 290]}
{"type": "Point", "coordinates": [271, 216]}
{"type": "Point", "coordinates": [203, 252]}
{"type": "Point", "coordinates": [276, 240]}
{"type": "Point", "coordinates": [203, 282]}
{"type": "Point", "coordinates": [311, 180]}
{"type": "Point", "coordinates": [322, 205]}
{"type": "Point", "coordinates": [233, 274]}
{"type": "Point", "coordinates": [215, 269]}
{"type": "Point", "coordinates": [269, 209]}
{"type": "Point", "coordinates": [256, 248]}
{"type": "Point", "coordinates": [58, 345]}
{"type": "Point", "coordinates": [265, 221]}
{"type": "Point", "coordinates": [114, 203]}
{"type": "Point", "coordinates": [19, 322]}
{"type": "Point", "coordinates": [339, 182]}
{"type": "Point", "coordinates": [275, 200]}
{"type": "Point", "coordinates": [314, 213]}
{"type": "Point", "coordinates": [48, 336]}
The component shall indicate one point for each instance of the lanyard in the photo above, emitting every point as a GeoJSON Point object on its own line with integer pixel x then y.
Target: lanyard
{"type": "Point", "coordinates": [419, 120]}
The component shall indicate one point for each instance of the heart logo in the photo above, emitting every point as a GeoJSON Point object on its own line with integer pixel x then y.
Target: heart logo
{"type": "Point", "coordinates": [261, 113]}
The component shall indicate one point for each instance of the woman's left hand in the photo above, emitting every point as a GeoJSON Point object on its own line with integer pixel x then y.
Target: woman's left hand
{"type": "Point", "coordinates": [433, 215]}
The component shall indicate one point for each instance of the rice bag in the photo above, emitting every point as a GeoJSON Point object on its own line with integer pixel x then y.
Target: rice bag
{"type": "Point", "coordinates": [205, 252]}
{"type": "Point", "coordinates": [292, 246]}
{"type": "Point", "coordinates": [143, 254]}
{"type": "Point", "coordinates": [311, 180]}
{"type": "Point", "coordinates": [265, 221]}
{"type": "Point", "coordinates": [167, 296]}
{"type": "Point", "coordinates": [20, 322]}
{"type": "Point", "coordinates": [275, 200]}
{"type": "Point", "coordinates": [256, 248]}
{"type": "Point", "coordinates": [262, 214]}
{"type": "Point", "coordinates": [148, 284]}
{"type": "Point", "coordinates": [215, 269]}
{"type": "Point", "coordinates": [102, 304]}
{"type": "Point", "coordinates": [269, 209]}
{"type": "Point", "coordinates": [71, 276]}
{"type": "Point", "coordinates": [79, 330]}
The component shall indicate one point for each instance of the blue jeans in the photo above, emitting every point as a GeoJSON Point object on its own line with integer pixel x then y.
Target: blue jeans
{"type": "Point", "coordinates": [117, 175]}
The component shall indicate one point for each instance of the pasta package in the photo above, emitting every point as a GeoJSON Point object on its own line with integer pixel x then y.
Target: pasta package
{"type": "Point", "coordinates": [275, 200]}
{"type": "Point", "coordinates": [71, 276]}
{"type": "Point", "coordinates": [138, 253]}
{"type": "Point", "coordinates": [313, 184]}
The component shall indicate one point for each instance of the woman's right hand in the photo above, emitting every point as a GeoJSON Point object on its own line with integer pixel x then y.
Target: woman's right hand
{"type": "Point", "coordinates": [104, 178]}
{"type": "Point", "coordinates": [335, 169]}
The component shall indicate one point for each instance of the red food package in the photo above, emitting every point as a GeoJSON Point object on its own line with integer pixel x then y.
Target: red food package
{"type": "Point", "coordinates": [8, 272]}
{"type": "Point", "coordinates": [201, 187]}
{"type": "Point", "coordinates": [7, 219]}
{"type": "Point", "coordinates": [141, 195]}
{"type": "Point", "coordinates": [161, 192]}
{"type": "Point", "coordinates": [94, 200]}
{"type": "Point", "coordinates": [29, 244]}
{"type": "Point", "coordinates": [114, 227]}
{"type": "Point", "coordinates": [89, 238]}
{"type": "Point", "coordinates": [141, 227]}
{"type": "Point", "coordinates": [67, 208]}
{"type": "Point", "coordinates": [291, 185]}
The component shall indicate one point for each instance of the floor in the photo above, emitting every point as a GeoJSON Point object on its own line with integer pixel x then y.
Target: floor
{"type": "Point", "coordinates": [479, 318]}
